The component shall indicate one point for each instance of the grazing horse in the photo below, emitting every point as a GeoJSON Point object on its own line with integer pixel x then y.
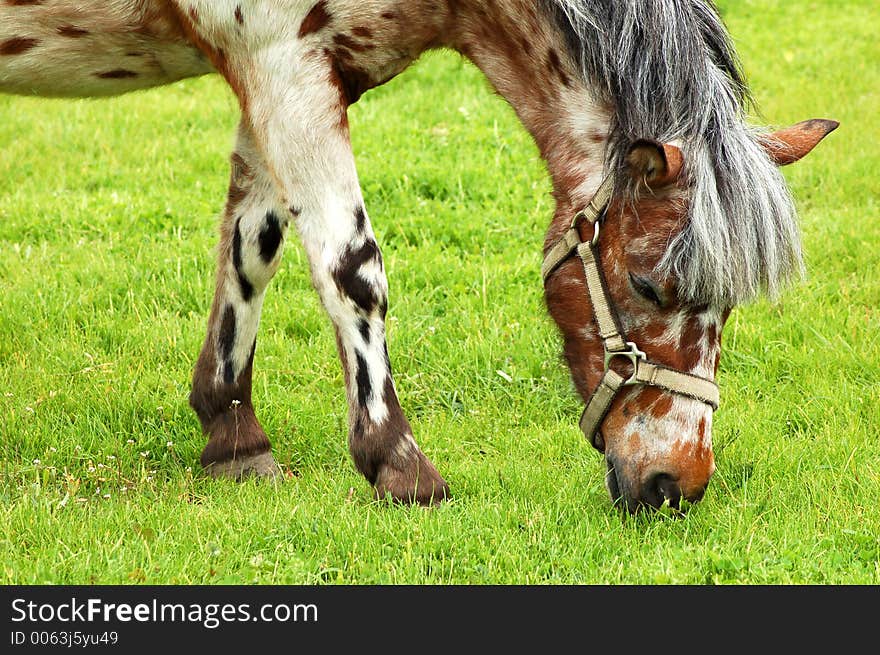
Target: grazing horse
{"type": "Point", "coordinates": [670, 209]}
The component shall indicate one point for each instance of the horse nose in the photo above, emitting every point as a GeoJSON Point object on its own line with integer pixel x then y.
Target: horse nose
{"type": "Point", "coordinates": [657, 486]}
{"type": "Point", "coordinates": [660, 487]}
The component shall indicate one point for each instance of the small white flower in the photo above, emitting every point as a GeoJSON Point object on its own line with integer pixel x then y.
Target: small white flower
{"type": "Point", "coordinates": [130, 441]}
{"type": "Point", "coordinates": [107, 496]}
{"type": "Point", "coordinates": [36, 462]}
{"type": "Point", "coordinates": [53, 449]}
{"type": "Point", "coordinates": [170, 444]}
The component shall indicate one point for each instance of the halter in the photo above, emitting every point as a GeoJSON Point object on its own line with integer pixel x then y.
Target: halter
{"type": "Point", "coordinates": [644, 372]}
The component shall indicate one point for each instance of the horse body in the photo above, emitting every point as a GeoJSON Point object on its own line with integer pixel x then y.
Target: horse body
{"type": "Point", "coordinates": [297, 65]}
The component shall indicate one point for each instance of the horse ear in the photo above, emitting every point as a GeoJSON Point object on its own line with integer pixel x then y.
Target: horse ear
{"type": "Point", "coordinates": [655, 164]}
{"type": "Point", "coordinates": [788, 145]}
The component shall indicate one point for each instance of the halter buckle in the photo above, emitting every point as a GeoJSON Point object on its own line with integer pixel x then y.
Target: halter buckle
{"type": "Point", "coordinates": [634, 355]}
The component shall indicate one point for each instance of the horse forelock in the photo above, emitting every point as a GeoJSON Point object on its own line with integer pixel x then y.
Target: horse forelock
{"type": "Point", "coordinates": [670, 71]}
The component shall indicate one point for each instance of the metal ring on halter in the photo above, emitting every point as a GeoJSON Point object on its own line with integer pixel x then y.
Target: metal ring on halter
{"type": "Point", "coordinates": [595, 240]}
{"type": "Point", "coordinates": [634, 355]}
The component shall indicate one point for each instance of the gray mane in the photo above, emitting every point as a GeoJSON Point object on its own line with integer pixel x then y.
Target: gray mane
{"type": "Point", "coordinates": [670, 71]}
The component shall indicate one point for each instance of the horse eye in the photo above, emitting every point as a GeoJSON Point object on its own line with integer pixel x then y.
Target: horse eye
{"type": "Point", "coordinates": [645, 289]}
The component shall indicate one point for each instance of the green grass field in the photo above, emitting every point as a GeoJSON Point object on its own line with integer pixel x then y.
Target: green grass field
{"type": "Point", "coordinates": [108, 213]}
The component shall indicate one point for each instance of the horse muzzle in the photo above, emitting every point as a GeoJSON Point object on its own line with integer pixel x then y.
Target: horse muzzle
{"type": "Point", "coordinates": [635, 489]}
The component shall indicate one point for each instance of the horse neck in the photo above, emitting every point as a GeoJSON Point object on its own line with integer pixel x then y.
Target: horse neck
{"type": "Point", "coordinates": [523, 53]}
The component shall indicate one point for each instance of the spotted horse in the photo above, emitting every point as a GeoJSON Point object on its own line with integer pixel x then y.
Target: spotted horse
{"type": "Point", "coordinates": [669, 206]}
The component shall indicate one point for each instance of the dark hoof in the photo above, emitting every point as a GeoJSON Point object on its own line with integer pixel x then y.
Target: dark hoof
{"type": "Point", "coordinates": [261, 465]}
{"type": "Point", "coordinates": [238, 448]}
{"type": "Point", "coordinates": [417, 482]}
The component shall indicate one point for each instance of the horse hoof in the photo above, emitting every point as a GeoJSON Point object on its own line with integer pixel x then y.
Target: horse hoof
{"type": "Point", "coordinates": [262, 465]}
{"type": "Point", "coordinates": [420, 483]}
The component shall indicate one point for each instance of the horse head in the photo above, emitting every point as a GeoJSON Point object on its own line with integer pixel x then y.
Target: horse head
{"type": "Point", "coordinates": [644, 354]}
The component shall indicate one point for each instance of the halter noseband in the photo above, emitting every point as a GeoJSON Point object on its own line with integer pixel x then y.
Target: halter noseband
{"type": "Point", "coordinates": [644, 371]}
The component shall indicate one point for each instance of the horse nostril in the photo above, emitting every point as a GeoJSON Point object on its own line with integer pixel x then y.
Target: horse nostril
{"type": "Point", "coordinates": [598, 441]}
{"type": "Point", "coordinates": [659, 488]}
{"type": "Point", "coordinates": [611, 481]}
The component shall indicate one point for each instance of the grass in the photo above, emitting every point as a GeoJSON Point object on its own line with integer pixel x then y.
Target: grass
{"type": "Point", "coordinates": [108, 216]}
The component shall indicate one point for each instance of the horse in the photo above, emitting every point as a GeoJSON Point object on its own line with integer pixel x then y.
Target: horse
{"type": "Point", "coordinates": [670, 208]}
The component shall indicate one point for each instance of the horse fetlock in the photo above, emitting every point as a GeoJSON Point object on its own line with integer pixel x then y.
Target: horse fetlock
{"type": "Point", "coordinates": [237, 446]}
{"type": "Point", "coordinates": [394, 464]}
{"type": "Point", "coordinates": [418, 481]}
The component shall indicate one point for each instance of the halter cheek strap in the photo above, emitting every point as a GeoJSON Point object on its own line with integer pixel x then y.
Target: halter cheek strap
{"type": "Point", "coordinates": [643, 371]}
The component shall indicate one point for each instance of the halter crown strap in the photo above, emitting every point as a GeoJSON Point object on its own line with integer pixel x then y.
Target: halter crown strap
{"type": "Point", "coordinates": [644, 372]}
{"type": "Point", "coordinates": [568, 243]}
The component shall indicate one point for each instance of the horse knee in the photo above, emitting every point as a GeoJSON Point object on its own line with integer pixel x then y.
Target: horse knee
{"type": "Point", "coordinates": [257, 245]}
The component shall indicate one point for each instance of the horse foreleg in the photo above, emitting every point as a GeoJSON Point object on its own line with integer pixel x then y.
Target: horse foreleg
{"type": "Point", "coordinates": [303, 132]}
{"type": "Point", "coordinates": [252, 235]}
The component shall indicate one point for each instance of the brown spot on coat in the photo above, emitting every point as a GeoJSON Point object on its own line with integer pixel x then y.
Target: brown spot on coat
{"type": "Point", "coordinates": [690, 344]}
{"type": "Point", "coordinates": [239, 18]}
{"type": "Point", "coordinates": [335, 79]}
{"type": "Point", "coordinates": [71, 31]}
{"type": "Point", "coordinates": [347, 42]}
{"type": "Point", "coordinates": [237, 191]}
{"type": "Point", "coordinates": [555, 66]}
{"type": "Point", "coordinates": [663, 406]}
{"type": "Point", "coordinates": [342, 53]}
{"type": "Point", "coordinates": [351, 81]}
{"type": "Point", "coordinates": [634, 444]}
{"type": "Point", "coordinates": [226, 335]}
{"type": "Point", "coordinates": [363, 32]}
{"type": "Point", "coordinates": [17, 45]}
{"type": "Point", "coordinates": [649, 401]}
{"type": "Point", "coordinates": [317, 19]}
{"type": "Point", "coordinates": [351, 284]}
{"type": "Point", "coordinates": [116, 74]}
{"type": "Point", "coordinates": [694, 467]}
